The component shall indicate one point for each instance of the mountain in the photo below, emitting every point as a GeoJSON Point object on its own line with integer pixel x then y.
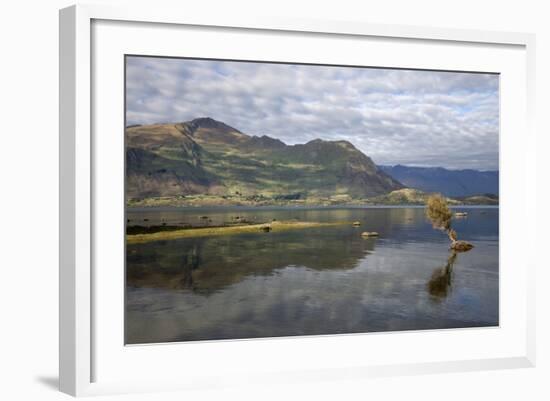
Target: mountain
{"type": "Point", "coordinates": [455, 183]}
{"type": "Point", "coordinates": [208, 158]}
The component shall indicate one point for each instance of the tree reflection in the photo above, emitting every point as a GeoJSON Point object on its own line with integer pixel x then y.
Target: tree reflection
{"type": "Point", "coordinates": [441, 280]}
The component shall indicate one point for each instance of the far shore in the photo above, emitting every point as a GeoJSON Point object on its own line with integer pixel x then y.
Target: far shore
{"type": "Point", "coordinates": [404, 197]}
{"type": "Point", "coordinates": [274, 226]}
{"type": "Point", "coordinates": [135, 208]}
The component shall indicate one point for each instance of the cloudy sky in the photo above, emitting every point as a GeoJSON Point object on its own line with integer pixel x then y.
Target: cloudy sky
{"type": "Point", "coordinates": [420, 118]}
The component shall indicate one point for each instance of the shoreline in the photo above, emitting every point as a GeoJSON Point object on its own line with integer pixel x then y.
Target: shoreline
{"type": "Point", "coordinates": [296, 207]}
{"type": "Point", "coordinates": [406, 197]}
{"type": "Point", "coordinates": [260, 228]}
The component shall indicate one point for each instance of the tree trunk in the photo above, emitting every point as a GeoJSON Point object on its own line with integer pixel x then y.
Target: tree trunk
{"type": "Point", "coordinates": [452, 235]}
{"type": "Point", "coordinates": [456, 245]}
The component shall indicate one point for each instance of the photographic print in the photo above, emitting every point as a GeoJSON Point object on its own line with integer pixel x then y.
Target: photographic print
{"type": "Point", "coordinates": [271, 199]}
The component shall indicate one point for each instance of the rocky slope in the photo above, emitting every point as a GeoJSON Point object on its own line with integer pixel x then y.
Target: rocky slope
{"type": "Point", "coordinates": [208, 158]}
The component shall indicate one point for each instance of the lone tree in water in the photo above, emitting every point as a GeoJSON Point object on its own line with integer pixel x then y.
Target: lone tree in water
{"type": "Point", "coordinates": [439, 214]}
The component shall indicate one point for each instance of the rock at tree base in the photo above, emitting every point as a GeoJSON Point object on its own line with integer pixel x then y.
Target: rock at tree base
{"type": "Point", "coordinates": [461, 246]}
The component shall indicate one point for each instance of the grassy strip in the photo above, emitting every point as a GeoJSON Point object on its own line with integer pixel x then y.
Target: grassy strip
{"type": "Point", "coordinates": [213, 231]}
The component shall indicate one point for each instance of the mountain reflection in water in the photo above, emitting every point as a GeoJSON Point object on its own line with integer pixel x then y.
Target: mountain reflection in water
{"type": "Point", "coordinates": [324, 280]}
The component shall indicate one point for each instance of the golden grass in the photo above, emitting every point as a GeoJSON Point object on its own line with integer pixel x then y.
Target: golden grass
{"type": "Point", "coordinates": [276, 226]}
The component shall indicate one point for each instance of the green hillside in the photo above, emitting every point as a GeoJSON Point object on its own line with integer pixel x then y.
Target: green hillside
{"type": "Point", "coordinates": [205, 161]}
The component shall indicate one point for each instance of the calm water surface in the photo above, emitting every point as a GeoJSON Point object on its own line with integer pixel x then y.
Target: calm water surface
{"type": "Point", "coordinates": [324, 280]}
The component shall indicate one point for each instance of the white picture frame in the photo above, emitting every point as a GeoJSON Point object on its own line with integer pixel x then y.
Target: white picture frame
{"type": "Point", "coordinates": [80, 348]}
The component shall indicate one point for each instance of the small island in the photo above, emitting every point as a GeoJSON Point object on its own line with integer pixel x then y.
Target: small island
{"type": "Point", "coordinates": [139, 234]}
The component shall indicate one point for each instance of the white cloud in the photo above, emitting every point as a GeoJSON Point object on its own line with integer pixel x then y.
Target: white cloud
{"type": "Point", "coordinates": [423, 118]}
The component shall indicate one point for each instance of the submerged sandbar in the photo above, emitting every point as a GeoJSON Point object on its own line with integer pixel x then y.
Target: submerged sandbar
{"type": "Point", "coordinates": [274, 226]}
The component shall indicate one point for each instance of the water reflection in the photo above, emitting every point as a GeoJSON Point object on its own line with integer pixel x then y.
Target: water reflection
{"type": "Point", "coordinates": [440, 283]}
{"type": "Point", "coordinates": [191, 261]}
{"type": "Point", "coordinates": [315, 281]}
{"type": "Point", "coordinates": [207, 265]}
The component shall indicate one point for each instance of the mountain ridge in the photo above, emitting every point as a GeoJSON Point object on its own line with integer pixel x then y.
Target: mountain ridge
{"type": "Point", "coordinates": [209, 157]}
{"type": "Point", "coordinates": [455, 183]}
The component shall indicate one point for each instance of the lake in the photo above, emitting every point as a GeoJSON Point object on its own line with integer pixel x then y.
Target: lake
{"type": "Point", "coordinates": [323, 280]}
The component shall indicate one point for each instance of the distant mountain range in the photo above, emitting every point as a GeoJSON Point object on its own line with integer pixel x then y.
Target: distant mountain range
{"type": "Point", "coordinates": [454, 183]}
{"type": "Point", "coordinates": [209, 159]}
